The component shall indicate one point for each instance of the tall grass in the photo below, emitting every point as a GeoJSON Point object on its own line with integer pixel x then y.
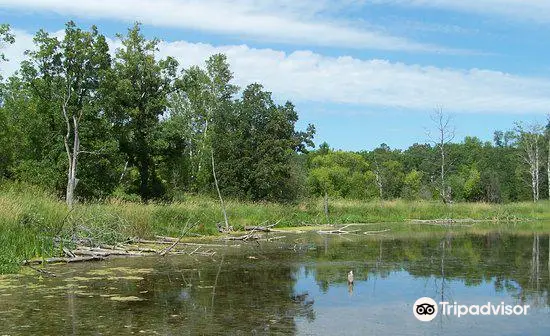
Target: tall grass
{"type": "Point", "coordinates": [30, 218]}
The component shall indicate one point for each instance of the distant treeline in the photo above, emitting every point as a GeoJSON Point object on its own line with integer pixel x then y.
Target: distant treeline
{"type": "Point", "coordinates": [476, 171]}
{"type": "Point", "coordinates": [89, 123]}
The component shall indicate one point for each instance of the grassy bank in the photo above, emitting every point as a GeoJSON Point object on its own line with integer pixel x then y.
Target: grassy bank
{"type": "Point", "coordinates": [30, 218]}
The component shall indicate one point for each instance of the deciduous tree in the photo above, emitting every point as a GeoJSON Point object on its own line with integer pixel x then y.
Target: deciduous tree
{"type": "Point", "coordinates": [68, 72]}
{"type": "Point", "coordinates": [139, 86]}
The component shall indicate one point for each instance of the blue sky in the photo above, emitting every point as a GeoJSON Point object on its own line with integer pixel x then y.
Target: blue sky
{"type": "Point", "coordinates": [364, 72]}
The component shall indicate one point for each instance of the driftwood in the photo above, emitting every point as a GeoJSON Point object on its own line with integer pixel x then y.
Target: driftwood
{"type": "Point", "coordinates": [167, 239]}
{"type": "Point", "coordinates": [60, 260]}
{"type": "Point", "coordinates": [163, 253]}
{"type": "Point", "coordinates": [250, 236]}
{"type": "Point", "coordinates": [140, 249]}
{"type": "Point", "coordinates": [337, 231]}
{"type": "Point", "coordinates": [132, 248]}
{"type": "Point", "coordinates": [267, 228]}
{"type": "Point", "coordinates": [105, 253]}
{"type": "Point", "coordinates": [145, 241]}
{"type": "Point", "coordinates": [258, 228]}
{"type": "Point", "coordinates": [68, 253]}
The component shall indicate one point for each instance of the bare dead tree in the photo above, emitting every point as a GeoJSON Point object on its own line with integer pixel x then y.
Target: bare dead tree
{"type": "Point", "coordinates": [72, 153]}
{"type": "Point", "coordinates": [529, 143]}
{"type": "Point", "coordinates": [222, 204]}
{"type": "Point", "coordinates": [444, 135]}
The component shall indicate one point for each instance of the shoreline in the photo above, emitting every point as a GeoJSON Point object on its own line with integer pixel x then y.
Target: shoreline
{"type": "Point", "coordinates": [36, 224]}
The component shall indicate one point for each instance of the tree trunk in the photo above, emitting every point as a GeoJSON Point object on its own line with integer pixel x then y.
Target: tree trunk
{"type": "Point", "coordinates": [445, 135]}
{"type": "Point", "coordinates": [325, 206]}
{"type": "Point", "coordinates": [529, 143]}
{"type": "Point", "coordinates": [202, 148]}
{"type": "Point", "coordinates": [443, 189]}
{"type": "Point", "coordinates": [144, 179]}
{"type": "Point", "coordinates": [537, 165]}
{"type": "Point", "coordinates": [123, 172]}
{"type": "Point", "coordinates": [72, 156]}
{"type": "Point", "coordinates": [218, 190]}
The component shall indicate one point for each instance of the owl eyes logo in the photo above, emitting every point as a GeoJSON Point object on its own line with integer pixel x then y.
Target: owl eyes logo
{"type": "Point", "coordinates": [425, 309]}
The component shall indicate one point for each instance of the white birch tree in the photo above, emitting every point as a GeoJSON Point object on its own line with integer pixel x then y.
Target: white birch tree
{"type": "Point", "coordinates": [529, 141]}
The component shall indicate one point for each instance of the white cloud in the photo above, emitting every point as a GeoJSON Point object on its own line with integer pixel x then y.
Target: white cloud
{"type": "Point", "coordinates": [527, 10]}
{"type": "Point", "coordinates": [285, 21]}
{"type": "Point", "coordinates": [304, 76]}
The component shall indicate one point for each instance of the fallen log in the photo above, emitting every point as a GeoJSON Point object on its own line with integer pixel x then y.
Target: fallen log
{"type": "Point", "coordinates": [167, 239]}
{"type": "Point", "coordinates": [250, 236]}
{"type": "Point", "coordinates": [267, 228]}
{"type": "Point", "coordinates": [141, 249]}
{"type": "Point", "coordinates": [145, 241]}
{"type": "Point", "coordinates": [172, 246]}
{"type": "Point", "coordinates": [337, 231]}
{"type": "Point", "coordinates": [60, 260]}
{"type": "Point", "coordinates": [258, 228]}
{"type": "Point", "coordinates": [68, 252]}
{"type": "Point", "coordinates": [105, 253]}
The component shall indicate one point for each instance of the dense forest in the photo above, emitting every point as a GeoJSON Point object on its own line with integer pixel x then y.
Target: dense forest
{"type": "Point", "coordinates": [90, 123]}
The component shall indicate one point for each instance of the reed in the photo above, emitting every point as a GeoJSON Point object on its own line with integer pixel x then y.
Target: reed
{"type": "Point", "coordinates": [32, 219]}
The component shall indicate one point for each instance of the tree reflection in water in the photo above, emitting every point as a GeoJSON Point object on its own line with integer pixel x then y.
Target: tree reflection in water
{"type": "Point", "coordinates": [271, 288]}
{"type": "Point", "coordinates": [513, 263]}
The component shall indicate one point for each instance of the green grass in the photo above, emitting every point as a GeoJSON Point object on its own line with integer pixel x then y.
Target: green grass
{"type": "Point", "coordinates": [30, 218]}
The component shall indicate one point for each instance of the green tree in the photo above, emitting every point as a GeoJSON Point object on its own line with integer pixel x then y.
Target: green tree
{"type": "Point", "coordinates": [211, 93]}
{"type": "Point", "coordinates": [68, 73]}
{"type": "Point", "coordinates": [138, 88]}
{"type": "Point", "coordinates": [412, 184]}
{"type": "Point", "coordinates": [6, 37]}
{"type": "Point", "coordinates": [341, 174]}
{"type": "Point", "coordinates": [388, 170]}
{"type": "Point", "coordinates": [473, 190]}
{"type": "Point", "coordinates": [255, 142]}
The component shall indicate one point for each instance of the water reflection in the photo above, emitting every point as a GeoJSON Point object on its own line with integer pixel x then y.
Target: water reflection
{"type": "Point", "coordinates": [291, 288]}
{"type": "Point", "coordinates": [470, 269]}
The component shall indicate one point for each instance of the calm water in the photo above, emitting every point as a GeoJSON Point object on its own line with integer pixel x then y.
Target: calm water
{"type": "Point", "coordinates": [298, 286]}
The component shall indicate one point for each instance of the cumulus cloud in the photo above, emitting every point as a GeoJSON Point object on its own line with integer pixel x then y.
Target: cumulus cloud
{"type": "Point", "coordinates": [305, 76]}
{"type": "Point", "coordinates": [285, 21]}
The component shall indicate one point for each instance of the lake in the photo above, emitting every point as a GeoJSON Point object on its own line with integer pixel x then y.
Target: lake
{"type": "Point", "coordinates": [292, 286]}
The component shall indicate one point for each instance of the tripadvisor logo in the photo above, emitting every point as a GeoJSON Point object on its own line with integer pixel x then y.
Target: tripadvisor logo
{"type": "Point", "coordinates": [426, 309]}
